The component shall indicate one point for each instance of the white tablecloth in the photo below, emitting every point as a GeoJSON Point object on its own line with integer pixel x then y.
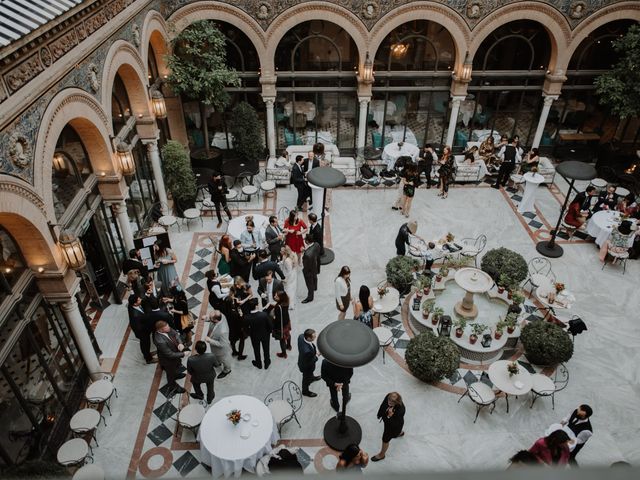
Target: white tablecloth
{"type": "Point", "coordinates": [391, 153]}
{"type": "Point", "coordinates": [398, 132]}
{"type": "Point", "coordinates": [601, 223]}
{"type": "Point", "coordinates": [308, 108]}
{"type": "Point", "coordinates": [324, 136]}
{"type": "Point", "coordinates": [220, 140]}
{"type": "Point", "coordinates": [376, 107]}
{"type": "Point", "coordinates": [499, 376]}
{"type": "Point", "coordinates": [386, 304]}
{"type": "Point", "coordinates": [532, 181]}
{"type": "Point", "coordinates": [239, 225]}
{"type": "Point", "coordinates": [222, 445]}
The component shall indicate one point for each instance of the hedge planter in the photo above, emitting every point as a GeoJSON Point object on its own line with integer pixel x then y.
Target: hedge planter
{"type": "Point", "coordinates": [504, 262]}
{"type": "Point", "coordinates": [431, 358]}
{"type": "Point", "coordinates": [399, 272]}
{"type": "Point", "coordinates": [545, 343]}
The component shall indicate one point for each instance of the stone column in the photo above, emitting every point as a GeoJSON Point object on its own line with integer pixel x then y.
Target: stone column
{"type": "Point", "coordinates": [71, 313]}
{"type": "Point", "coordinates": [271, 127]}
{"type": "Point", "coordinates": [120, 210]}
{"type": "Point", "coordinates": [362, 122]}
{"type": "Point", "coordinates": [156, 166]}
{"type": "Point", "coordinates": [548, 100]}
{"type": "Point", "coordinates": [453, 119]}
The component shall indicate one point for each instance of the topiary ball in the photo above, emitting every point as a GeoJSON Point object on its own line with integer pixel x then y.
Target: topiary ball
{"type": "Point", "coordinates": [399, 272]}
{"type": "Point", "coordinates": [502, 261]}
{"type": "Point", "coordinates": [431, 358]}
{"type": "Point", "coordinates": [546, 343]}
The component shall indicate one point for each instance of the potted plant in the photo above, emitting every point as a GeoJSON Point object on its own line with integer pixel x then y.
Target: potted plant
{"type": "Point", "coordinates": [400, 272]}
{"type": "Point", "coordinates": [510, 321]}
{"type": "Point", "coordinates": [427, 308]}
{"type": "Point", "coordinates": [442, 273]}
{"type": "Point", "coordinates": [503, 282]}
{"type": "Point", "coordinates": [513, 369]}
{"type": "Point", "coordinates": [436, 313]}
{"type": "Point", "coordinates": [179, 177]}
{"type": "Point", "coordinates": [477, 329]}
{"type": "Point", "coordinates": [431, 358]}
{"type": "Point", "coordinates": [502, 261]}
{"type": "Point", "coordinates": [517, 296]}
{"type": "Point", "coordinates": [198, 70]}
{"type": "Point", "coordinates": [426, 284]}
{"type": "Point", "coordinates": [500, 326]}
{"type": "Point", "coordinates": [243, 125]}
{"type": "Point", "coordinates": [546, 343]}
{"type": "Point", "coordinates": [460, 326]}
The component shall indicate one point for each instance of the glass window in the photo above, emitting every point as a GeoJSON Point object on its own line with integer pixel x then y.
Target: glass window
{"type": "Point", "coordinates": [152, 65]}
{"type": "Point", "coordinates": [11, 263]}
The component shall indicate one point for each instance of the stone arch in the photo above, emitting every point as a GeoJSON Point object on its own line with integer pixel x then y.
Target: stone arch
{"type": "Point", "coordinates": [440, 14]}
{"type": "Point", "coordinates": [154, 33]}
{"type": "Point", "coordinates": [307, 11]}
{"type": "Point", "coordinates": [79, 109]}
{"type": "Point", "coordinates": [551, 19]}
{"type": "Point", "coordinates": [23, 215]}
{"type": "Point", "coordinates": [123, 59]}
{"type": "Point", "coordinates": [619, 11]}
{"type": "Point", "coordinates": [209, 10]}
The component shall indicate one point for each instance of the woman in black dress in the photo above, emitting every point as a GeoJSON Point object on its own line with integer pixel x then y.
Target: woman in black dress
{"type": "Point", "coordinates": [446, 172]}
{"type": "Point", "coordinates": [180, 309]}
{"type": "Point", "coordinates": [281, 322]}
{"type": "Point", "coordinates": [410, 182]}
{"type": "Point", "coordinates": [391, 413]}
{"type": "Point", "coordinates": [238, 296]}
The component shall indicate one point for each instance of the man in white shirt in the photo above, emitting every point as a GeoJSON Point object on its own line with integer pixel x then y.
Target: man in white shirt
{"type": "Point", "coordinates": [267, 287]}
{"type": "Point", "coordinates": [510, 155]}
{"type": "Point", "coordinates": [252, 239]}
{"type": "Point", "coordinates": [578, 422]}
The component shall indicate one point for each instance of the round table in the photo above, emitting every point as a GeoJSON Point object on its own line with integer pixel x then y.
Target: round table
{"type": "Point", "coordinates": [563, 300]}
{"type": "Point", "coordinates": [602, 223]}
{"type": "Point", "coordinates": [229, 448]}
{"type": "Point", "coordinates": [386, 304]}
{"type": "Point", "coordinates": [532, 181]}
{"type": "Point", "coordinates": [239, 225]}
{"type": "Point", "coordinates": [393, 151]}
{"type": "Point", "coordinates": [499, 376]}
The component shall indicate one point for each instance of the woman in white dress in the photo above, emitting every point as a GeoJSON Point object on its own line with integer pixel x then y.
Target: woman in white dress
{"type": "Point", "coordinates": [289, 267]}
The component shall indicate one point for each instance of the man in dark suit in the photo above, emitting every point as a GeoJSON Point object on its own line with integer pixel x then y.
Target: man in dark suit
{"type": "Point", "coordinates": [299, 181]}
{"type": "Point", "coordinates": [265, 265]}
{"type": "Point", "coordinates": [267, 288]}
{"type": "Point", "coordinates": [310, 267]}
{"type": "Point", "coordinates": [170, 353]}
{"type": "Point", "coordinates": [307, 358]}
{"type": "Point", "coordinates": [201, 369]}
{"type": "Point", "coordinates": [584, 199]}
{"type": "Point", "coordinates": [337, 379]}
{"type": "Point", "coordinates": [310, 162]}
{"type": "Point", "coordinates": [274, 237]}
{"type": "Point", "coordinates": [510, 155]}
{"type": "Point", "coordinates": [425, 162]}
{"type": "Point", "coordinates": [260, 329]}
{"type": "Point", "coordinates": [240, 264]}
{"type": "Point", "coordinates": [607, 200]}
{"type": "Point", "coordinates": [218, 191]}
{"type": "Point", "coordinates": [134, 263]}
{"type": "Point", "coordinates": [315, 230]}
{"type": "Point", "coordinates": [141, 326]}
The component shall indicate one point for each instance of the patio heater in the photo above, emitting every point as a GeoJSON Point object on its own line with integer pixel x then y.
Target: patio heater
{"type": "Point", "coordinates": [571, 171]}
{"type": "Point", "coordinates": [349, 344]}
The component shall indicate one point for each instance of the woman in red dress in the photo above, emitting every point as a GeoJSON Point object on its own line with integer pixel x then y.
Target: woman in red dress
{"type": "Point", "coordinates": [574, 216]}
{"type": "Point", "coordinates": [295, 230]}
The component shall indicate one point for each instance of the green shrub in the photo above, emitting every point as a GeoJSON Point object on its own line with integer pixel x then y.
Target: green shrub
{"type": "Point", "coordinates": [546, 343]}
{"type": "Point", "coordinates": [431, 358]}
{"type": "Point", "coordinates": [244, 125]}
{"type": "Point", "coordinates": [400, 272]}
{"type": "Point", "coordinates": [178, 175]}
{"type": "Point", "coordinates": [502, 261]}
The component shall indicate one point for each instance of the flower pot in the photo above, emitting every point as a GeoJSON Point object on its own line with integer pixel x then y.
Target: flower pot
{"type": "Point", "coordinates": [509, 295]}
{"type": "Point", "coordinates": [438, 278]}
{"type": "Point", "coordinates": [500, 290]}
{"type": "Point", "coordinates": [426, 315]}
{"type": "Point", "coordinates": [459, 332]}
{"type": "Point", "coordinates": [418, 294]}
{"type": "Point", "coordinates": [497, 335]}
{"type": "Point", "coordinates": [510, 330]}
{"type": "Point", "coordinates": [473, 339]}
{"type": "Point", "coordinates": [435, 320]}
{"type": "Point", "coordinates": [426, 290]}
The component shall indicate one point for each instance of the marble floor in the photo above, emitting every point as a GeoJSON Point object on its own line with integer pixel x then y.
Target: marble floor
{"type": "Point", "coordinates": [139, 439]}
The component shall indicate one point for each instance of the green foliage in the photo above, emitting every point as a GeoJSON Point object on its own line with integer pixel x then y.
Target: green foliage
{"type": "Point", "coordinates": [461, 323]}
{"type": "Point", "coordinates": [438, 311]}
{"type": "Point", "coordinates": [511, 319]}
{"type": "Point", "coordinates": [619, 88]}
{"type": "Point", "coordinates": [444, 271]}
{"type": "Point", "coordinates": [178, 176]}
{"type": "Point", "coordinates": [399, 272]}
{"type": "Point", "coordinates": [198, 65]}
{"type": "Point", "coordinates": [500, 326]}
{"type": "Point", "coordinates": [478, 328]}
{"type": "Point", "coordinates": [244, 126]}
{"type": "Point", "coordinates": [517, 296]}
{"type": "Point", "coordinates": [546, 343]}
{"type": "Point", "coordinates": [431, 358]}
{"type": "Point", "coordinates": [428, 305]}
{"type": "Point", "coordinates": [502, 261]}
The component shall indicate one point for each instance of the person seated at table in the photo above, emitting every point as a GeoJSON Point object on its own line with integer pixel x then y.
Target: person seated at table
{"type": "Point", "coordinates": [618, 242]}
{"type": "Point", "coordinates": [518, 146]}
{"type": "Point", "coordinates": [252, 239]}
{"type": "Point", "coordinates": [575, 216]}
{"type": "Point", "coordinates": [607, 200]}
{"type": "Point", "coordinates": [487, 149]}
{"type": "Point", "coordinates": [429, 256]}
{"type": "Point", "coordinates": [627, 206]}
{"type": "Point", "coordinates": [469, 159]}
{"type": "Point", "coordinates": [474, 151]}
{"type": "Point", "coordinates": [363, 308]}
{"type": "Point", "coordinates": [552, 449]}
{"type": "Point", "coordinates": [532, 160]}
{"type": "Point", "coordinates": [283, 159]}
{"type": "Point", "coordinates": [318, 150]}
{"type": "Point", "coordinates": [584, 199]}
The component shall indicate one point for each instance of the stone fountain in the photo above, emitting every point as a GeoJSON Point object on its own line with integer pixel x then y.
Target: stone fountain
{"type": "Point", "coordinates": [472, 280]}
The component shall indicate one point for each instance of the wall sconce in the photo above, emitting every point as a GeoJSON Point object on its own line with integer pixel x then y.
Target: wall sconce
{"type": "Point", "coordinates": [399, 49]}
{"type": "Point", "coordinates": [72, 250]}
{"type": "Point", "coordinates": [467, 66]}
{"type": "Point", "coordinates": [159, 106]}
{"type": "Point", "coordinates": [125, 157]}
{"type": "Point", "coordinates": [367, 71]}
{"type": "Point", "coordinates": [59, 164]}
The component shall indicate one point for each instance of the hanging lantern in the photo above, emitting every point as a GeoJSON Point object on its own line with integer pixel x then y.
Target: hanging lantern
{"type": "Point", "coordinates": [158, 103]}
{"type": "Point", "coordinates": [467, 66]}
{"type": "Point", "coordinates": [72, 250]}
{"type": "Point", "coordinates": [125, 157]}
{"type": "Point", "coordinates": [367, 71]}
{"type": "Point", "coordinates": [444, 329]}
{"type": "Point", "coordinates": [59, 163]}
{"type": "Point", "coordinates": [486, 340]}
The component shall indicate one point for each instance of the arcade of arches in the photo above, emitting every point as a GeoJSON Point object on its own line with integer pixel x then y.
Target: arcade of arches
{"type": "Point", "coordinates": [81, 157]}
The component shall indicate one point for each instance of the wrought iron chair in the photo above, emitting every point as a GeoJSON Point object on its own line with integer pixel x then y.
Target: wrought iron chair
{"type": "Point", "coordinates": [539, 272]}
{"type": "Point", "coordinates": [482, 395]}
{"type": "Point", "coordinates": [247, 187]}
{"type": "Point", "coordinates": [472, 247]}
{"type": "Point", "coordinates": [544, 386]}
{"type": "Point", "coordinates": [284, 403]}
{"type": "Point", "coordinates": [283, 214]}
{"type": "Point", "coordinates": [188, 416]}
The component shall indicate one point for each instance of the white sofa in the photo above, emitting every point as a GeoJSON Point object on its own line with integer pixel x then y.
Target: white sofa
{"type": "Point", "coordinates": [347, 165]}
{"type": "Point", "coordinates": [278, 171]}
{"type": "Point", "coordinates": [469, 173]}
{"type": "Point", "coordinates": [547, 170]}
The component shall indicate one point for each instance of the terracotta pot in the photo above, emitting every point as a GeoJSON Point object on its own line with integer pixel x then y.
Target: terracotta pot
{"type": "Point", "coordinates": [497, 335]}
{"type": "Point", "coordinates": [418, 294]}
{"type": "Point", "coordinates": [426, 290]}
{"type": "Point", "coordinates": [425, 315]}
{"type": "Point", "coordinates": [511, 329]}
{"type": "Point", "coordinates": [500, 290]}
{"type": "Point", "coordinates": [459, 332]}
{"type": "Point", "coordinates": [438, 278]}
{"type": "Point", "coordinates": [473, 339]}
{"type": "Point", "coordinates": [509, 295]}
{"type": "Point", "coordinates": [435, 320]}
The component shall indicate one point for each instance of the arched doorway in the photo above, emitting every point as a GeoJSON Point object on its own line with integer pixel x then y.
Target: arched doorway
{"type": "Point", "coordinates": [505, 92]}
{"type": "Point", "coordinates": [316, 86]}
{"type": "Point", "coordinates": [412, 81]}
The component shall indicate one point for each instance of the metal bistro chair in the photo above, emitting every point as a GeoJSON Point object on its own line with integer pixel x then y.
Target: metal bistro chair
{"type": "Point", "coordinates": [482, 395]}
{"type": "Point", "coordinates": [247, 187]}
{"type": "Point", "coordinates": [385, 338]}
{"type": "Point", "coordinates": [620, 257]}
{"type": "Point", "coordinates": [472, 247]}
{"type": "Point", "coordinates": [85, 421]}
{"type": "Point", "coordinates": [283, 214]}
{"type": "Point", "coordinates": [189, 416]}
{"type": "Point", "coordinates": [539, 273]}
{"type": "Point", "coordinates": [544, 386]}
{"type": "Point", "coordinates": [284, 403]}
{"type": "Point", "coordinates": [101, 391]}
{"type": "Point", "coordinates": [73, 453]}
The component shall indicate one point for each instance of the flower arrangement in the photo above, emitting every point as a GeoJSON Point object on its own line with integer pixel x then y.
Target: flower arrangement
{"type": "Point", "coordinates": [382, 291]}
{"type": "Point", "coordinates": [513, 369]}
{"type": "Point", "coordinates": [559, 287]}
{"type": "Point", "coordinates": [534, 169]}
{"type": "Point", "coordinates": [234, 416]}
{"type": "Point", "coordinates": [450, 237]}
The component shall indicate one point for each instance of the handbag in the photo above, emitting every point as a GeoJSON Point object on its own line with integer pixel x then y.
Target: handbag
{"type": "Point", "coordinates": [187, 321]}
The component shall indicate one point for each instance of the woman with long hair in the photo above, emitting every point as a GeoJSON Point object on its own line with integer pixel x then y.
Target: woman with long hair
{"type": "Point", "coordinates": [530, 162]}
{"type": "Point", "coordinates": [165, 263]}
{"type": "Point", "coordinates": [295, 230]}
{"type": "Point", "coordinates": [391, 413]}
{"type": "Point", "coordinates": [180, 311]}
{"type": "Point", "coordinates": [410, 182]}
{"type": "Point", "coordinates": [239, 294]}
{"type": "Point", "coordinates": [363, 307]}
{"type": "Point", "coordinates": [224, 249]}
{"type": "Point", "coordinates": [352, 458]}
{"type": "Point", "coordinates": [343, 291]}
{"type": "Point", "coordinates": [281, 322]}
{"type": "Point", "coordinates": [552, 449]}
{"type": "Point", "coordinates": [289, 265]}
{"type": "Point", "coordinates": [446, 171]}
